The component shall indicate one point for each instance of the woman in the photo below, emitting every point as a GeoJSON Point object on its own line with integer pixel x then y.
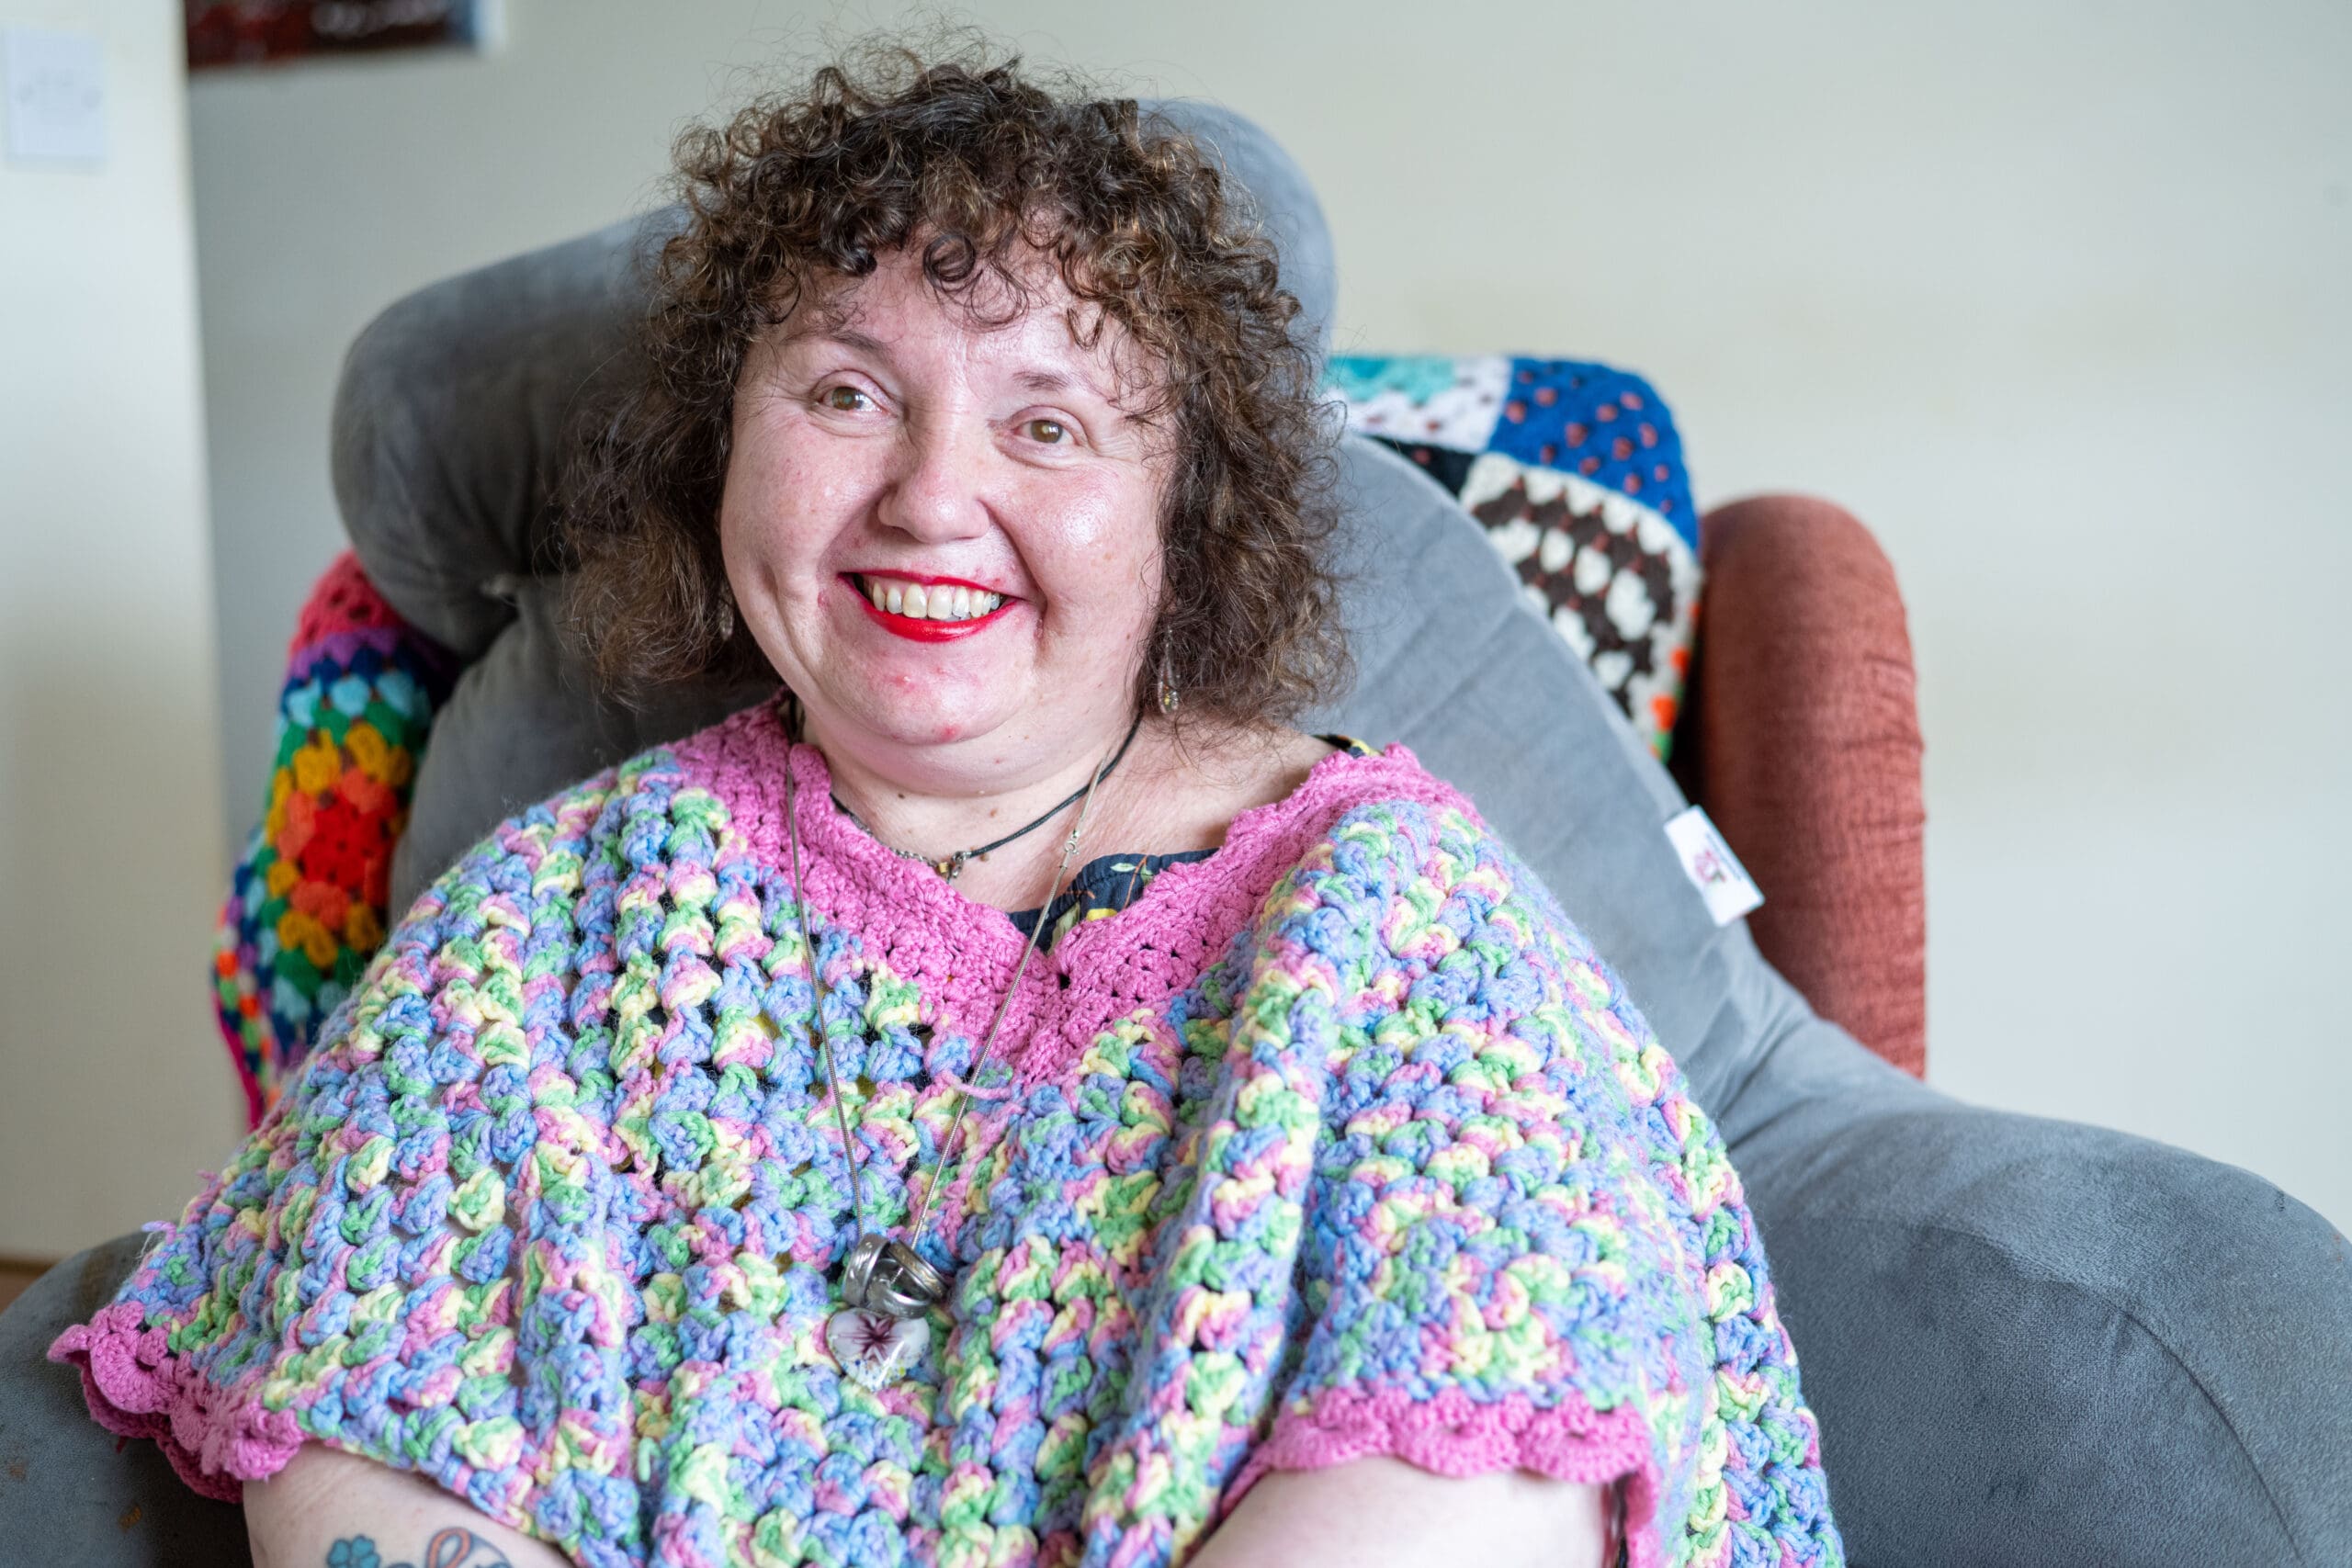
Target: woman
{"type": "Point", "coordinates": [1013, 1099]}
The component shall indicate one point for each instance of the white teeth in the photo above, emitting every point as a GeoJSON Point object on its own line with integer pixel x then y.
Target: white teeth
{"type": "Point", "coordinates": [939, 602]}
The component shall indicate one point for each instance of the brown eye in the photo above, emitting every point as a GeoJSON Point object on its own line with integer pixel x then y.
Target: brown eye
{"type": "Point", "coordinates": [1051, 431]}
{"type": "Point", "coordinates": [848, 400]}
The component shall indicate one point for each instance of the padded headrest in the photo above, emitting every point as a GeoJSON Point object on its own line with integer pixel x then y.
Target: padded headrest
{"type": "Point", "coordinates": [458, 406]}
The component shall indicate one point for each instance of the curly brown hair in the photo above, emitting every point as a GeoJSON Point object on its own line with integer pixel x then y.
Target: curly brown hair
{"type": "Point", "coordinates": [798, 194]}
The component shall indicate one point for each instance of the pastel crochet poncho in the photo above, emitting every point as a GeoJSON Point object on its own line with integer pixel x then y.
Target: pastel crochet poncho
{"type": "Point", "coordinates": [1341, 1142]}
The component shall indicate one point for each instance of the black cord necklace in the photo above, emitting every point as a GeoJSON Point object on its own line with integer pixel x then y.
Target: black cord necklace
{"type": "Point", "coordinates": [952, 866]}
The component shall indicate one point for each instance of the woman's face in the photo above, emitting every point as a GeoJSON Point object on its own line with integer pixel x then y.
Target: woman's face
{"type": "Point", "coordinates": [985, 485]}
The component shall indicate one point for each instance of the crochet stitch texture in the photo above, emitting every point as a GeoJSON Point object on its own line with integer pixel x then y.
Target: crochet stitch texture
{"type": "Point", "coordinates": [1341, 1142]}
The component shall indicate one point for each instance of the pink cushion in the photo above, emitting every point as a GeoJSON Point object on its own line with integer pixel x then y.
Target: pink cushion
{"type": "Point", "coordinates": [1803, 742]}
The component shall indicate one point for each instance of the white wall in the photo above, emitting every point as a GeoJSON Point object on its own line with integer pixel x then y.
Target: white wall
{"type": "Point", "coordinates": [2053, 294]}
{"type": "Point", "coordinates": [112, 857]}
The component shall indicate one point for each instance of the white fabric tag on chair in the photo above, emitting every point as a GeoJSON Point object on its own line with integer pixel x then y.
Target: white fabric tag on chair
{"type": "Point", "coordinates": [1712, 869]}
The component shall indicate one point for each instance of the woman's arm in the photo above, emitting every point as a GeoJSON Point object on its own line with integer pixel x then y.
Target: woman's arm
{"type": "Point", "coordinates": [331, 1509]}
{"type": "Point", "coordinates": [1384, 1513]}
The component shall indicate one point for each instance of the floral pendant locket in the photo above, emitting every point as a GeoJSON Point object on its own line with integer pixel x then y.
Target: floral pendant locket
{"type": "Point", "coordinates": [881, 1332]}
{"type": "Point", "coordinates": [875, 1347]}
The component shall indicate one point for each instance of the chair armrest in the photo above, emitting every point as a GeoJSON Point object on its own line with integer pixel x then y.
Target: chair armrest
{"type": "Point", "coordinates": [70, 1490]}
{"type": "Point", "coordinates": [1800, 738]}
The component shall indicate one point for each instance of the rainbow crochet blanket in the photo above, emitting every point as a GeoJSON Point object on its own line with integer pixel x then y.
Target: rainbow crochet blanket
{"type": "Point", "coordinates": [1341, 1142]}
{"type": "Point", "coordinates": [306, 903]}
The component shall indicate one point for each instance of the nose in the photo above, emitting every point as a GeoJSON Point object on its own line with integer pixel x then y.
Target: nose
{"type": "Point", "coordinates": [935, 489]}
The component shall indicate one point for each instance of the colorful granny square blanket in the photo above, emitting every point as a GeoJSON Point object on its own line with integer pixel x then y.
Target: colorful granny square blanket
{"type": "Point", "coordinates": [1575, 472]}
{"type": "Point", "coordinates": [307, 902]}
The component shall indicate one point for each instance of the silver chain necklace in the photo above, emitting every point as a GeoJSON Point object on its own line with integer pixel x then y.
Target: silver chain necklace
{"type": "Point", "coordinates": [887, 1288]}
{"type": "Point", "coordinates": [951, 866]}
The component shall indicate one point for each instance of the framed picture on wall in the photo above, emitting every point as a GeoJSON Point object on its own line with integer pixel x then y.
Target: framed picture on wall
{"type": "Point", "coordinates": [255, 32]}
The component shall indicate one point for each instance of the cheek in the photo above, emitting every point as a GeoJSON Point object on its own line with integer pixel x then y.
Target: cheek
{"type": "Point", "coordinates": [1105, 554]}
{"type": "Point", "coordinates": [1142, 565]}
{"type": "Point", "coordinates": [777, 498]}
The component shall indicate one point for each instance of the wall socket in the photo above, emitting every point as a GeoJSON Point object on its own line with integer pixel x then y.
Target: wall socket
{"type": "Point", "coordinates": [56, 97]}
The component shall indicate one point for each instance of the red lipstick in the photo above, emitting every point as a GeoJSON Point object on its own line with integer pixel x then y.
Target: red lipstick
{"type": "Point", "coordinates": [921, 629]}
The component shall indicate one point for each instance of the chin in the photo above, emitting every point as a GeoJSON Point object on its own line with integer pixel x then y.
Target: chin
{"type": "Point", "coordinates": [935, 719]}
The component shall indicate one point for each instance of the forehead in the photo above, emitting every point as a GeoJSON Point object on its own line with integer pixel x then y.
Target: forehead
{"type": "Point", "coordinates": [1028, 325]}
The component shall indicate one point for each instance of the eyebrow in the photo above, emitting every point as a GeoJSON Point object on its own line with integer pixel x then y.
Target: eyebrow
{"type": "Point", "coordinates": [1033, 380]}
{"type": "Point", "coordinates": [850, 337]}
{"type": "Point", "coordinates": [1055, 381]}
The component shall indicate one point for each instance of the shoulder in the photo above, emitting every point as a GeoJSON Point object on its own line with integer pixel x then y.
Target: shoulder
{"type": "Point", "coordinates": [591, 878]}
{"type": "Point", "coordinates": [1426, 905]}
{"type": "Point", "coordinates": [1381, 813]}
{"type": "Point", "coordinates": [659, 805]}
{"type": "Point", "coordinates": [1350, 784]}
{"type": "Point", "coordinates": [1379, 851]}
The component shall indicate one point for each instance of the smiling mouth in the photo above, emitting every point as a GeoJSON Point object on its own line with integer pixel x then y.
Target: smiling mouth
{"type": "Point", "coordinates": [939, 610]}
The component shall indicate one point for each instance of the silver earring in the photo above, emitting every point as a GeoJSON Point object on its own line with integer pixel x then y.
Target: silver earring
{"type": "Point", "coordinates": [1169, 697]}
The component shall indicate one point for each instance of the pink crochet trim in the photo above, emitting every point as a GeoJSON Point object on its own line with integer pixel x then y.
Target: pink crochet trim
{"type": "Point", "coordinates": [1451, 1434]}
{"type": "Point", "coordinates": [215, 1438]}
{"type": "Point", "coordinates": [964, 952]}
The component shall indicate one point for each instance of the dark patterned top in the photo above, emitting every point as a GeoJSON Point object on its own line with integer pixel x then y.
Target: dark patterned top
{"type": "Point", "coordinates": [1108, 883]}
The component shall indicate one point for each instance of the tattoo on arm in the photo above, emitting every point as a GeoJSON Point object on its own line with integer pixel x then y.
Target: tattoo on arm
{"type": "Point", "coordinates": [450, 1548]}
